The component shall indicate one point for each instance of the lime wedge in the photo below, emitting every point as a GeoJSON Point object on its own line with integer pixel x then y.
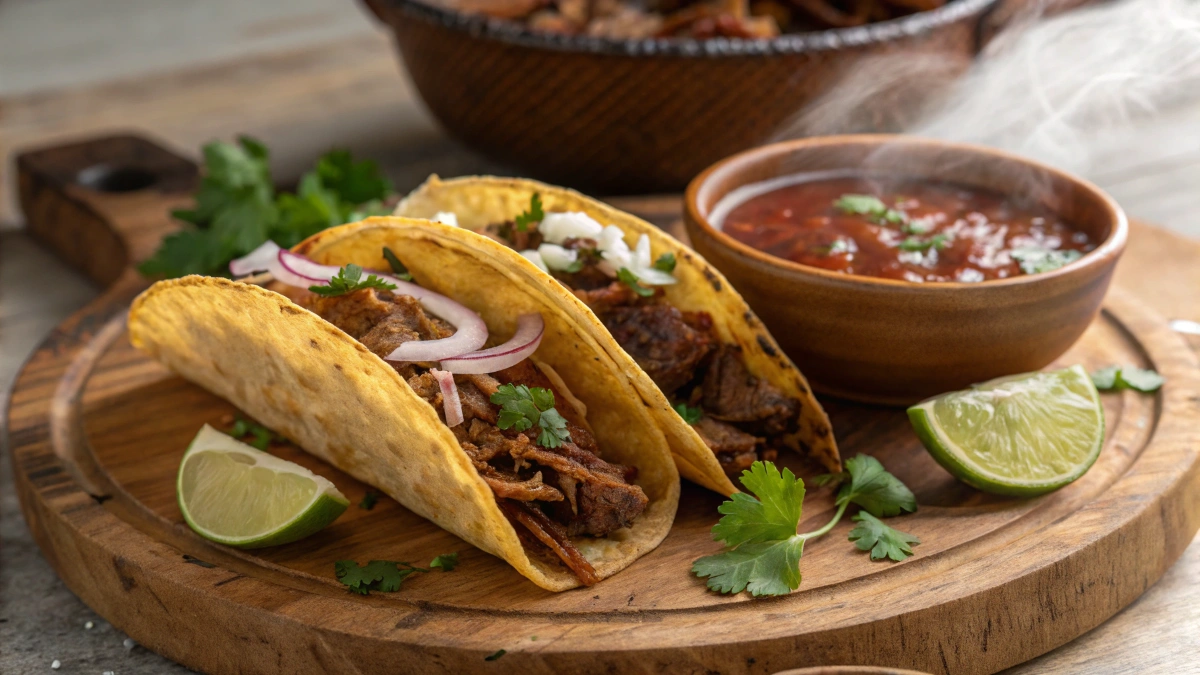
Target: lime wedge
{"type": "Point", "coordinates": [233, 494]}
{"type": "Point", "coordinates": [1023, 435]}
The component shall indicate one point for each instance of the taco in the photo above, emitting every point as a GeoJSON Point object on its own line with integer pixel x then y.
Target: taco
{"type": "Point", "coordinates": [705, 355]}
{"type": "Point", "coordinates": [537, 449]}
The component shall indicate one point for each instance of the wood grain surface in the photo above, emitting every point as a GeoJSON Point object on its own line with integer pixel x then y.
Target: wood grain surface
{"type": "Point", "coordinates": [995, 582]}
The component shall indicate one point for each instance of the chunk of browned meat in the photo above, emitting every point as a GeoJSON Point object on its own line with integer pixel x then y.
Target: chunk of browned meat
{"type": "Point", "coordinates": [603, 501]}
{"type": "Point", "coordinates": [511, 486]}
{"type": "Point", "coordinates": [732, 394]}
{"type": "Point", "coordinates": [736, 450]}
{"type": "Point", "coordinates": [484, 442]}
{"type": "Point", "coordinates": [355, 313]}
{"type": "Point", "coordinates": [529, 520]}
{"type": "Point", "coordinates": [507, 233]}
{"type": "Point", "coordinates": [407, 321]}
{"type": "Point", "coordinates": [475, 404]}
{"type": "Point", "coordinates": [668, 344]}
{"type": "Point", "coordinates": [604, 299]}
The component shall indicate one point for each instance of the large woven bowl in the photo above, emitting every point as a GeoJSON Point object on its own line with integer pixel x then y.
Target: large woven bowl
{"type": "Point", "coordinates": [637, 116]}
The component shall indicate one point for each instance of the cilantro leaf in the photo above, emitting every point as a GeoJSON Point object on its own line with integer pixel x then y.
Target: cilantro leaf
{"type": "Point", "coordinates": [874, 489]}
{"type": "Point", "coordinates": [764, 568]}
{"type": "Point", "coordinates": [352, 182]}
{"type": "Point", "coordinates": [377, 575]}
{"type": "Point", "coordinates": [690, 414]}
{"type": "Point", "coordinates": [1037, 260]}
{"type": "Point", "coordinates": [348, 280]}
{"type": "Point", "coordinates": [533, 215]}
{"type": "Point", "coordinates": [665, 262]}
{"type": "Point", "coordinates": [398, 268]}
{"type": "Point", "coordinates": [773, 514]}
{"type": "Point", "coordinates": [631, 280]}
{"type": "Point", "coordinates": [368, 501]}
{"type": "Point", "coordinates": [522, 407]}
{"type": "Point", "coordinates": [882, 540]}
{"type": "Point", "coordinates": [446, 562]}
{"type": "Point", "coordinates": [262, 435]}
{"type": "Point", "coordinates": [495, 656]}
{"type": "Point", "coordinates": [867, 205]}
{"type": "Point", "coordinates": [937, 241]}
{"type": "Point", "coordinates": [1116, 378]}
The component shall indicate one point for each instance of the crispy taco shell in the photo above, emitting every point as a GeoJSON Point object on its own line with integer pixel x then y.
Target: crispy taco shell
{"type": "Point", "coordinates": [478, 201]}
{"type": "Point", "coordinates": [316, 385]}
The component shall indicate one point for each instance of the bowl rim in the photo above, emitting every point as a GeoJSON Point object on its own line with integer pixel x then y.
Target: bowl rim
{"type": "Point", "coordinates": [1105, 252]}
{"type": "Point", "coordinates": [513, 32]}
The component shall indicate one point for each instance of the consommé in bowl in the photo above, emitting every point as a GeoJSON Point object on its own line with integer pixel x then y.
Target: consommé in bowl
{"type": "Point", "coordinates": [894, 341]}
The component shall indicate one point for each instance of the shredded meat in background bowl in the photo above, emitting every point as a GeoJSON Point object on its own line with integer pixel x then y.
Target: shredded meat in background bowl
{"type": "Point", "coordinates": [634, 19]}
{"type": "Point", "coordinates": [549, 494]}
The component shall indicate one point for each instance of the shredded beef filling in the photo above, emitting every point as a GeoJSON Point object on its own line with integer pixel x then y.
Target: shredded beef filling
{"type": "Point", "coordinates": [550, 494]}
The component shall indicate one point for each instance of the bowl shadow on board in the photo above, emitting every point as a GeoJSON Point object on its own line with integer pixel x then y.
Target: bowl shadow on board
{"type": "Point", "coordinates": [894, 342]}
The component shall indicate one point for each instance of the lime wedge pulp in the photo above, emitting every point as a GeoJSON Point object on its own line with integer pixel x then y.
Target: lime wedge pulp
{"type": "Point", "coordinates": [233, 494]}
{"type": "Point", "coordinates": [1022, 435]}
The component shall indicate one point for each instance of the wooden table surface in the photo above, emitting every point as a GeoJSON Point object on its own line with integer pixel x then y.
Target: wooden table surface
{"type": "Point", "coordinates": [318, 74]}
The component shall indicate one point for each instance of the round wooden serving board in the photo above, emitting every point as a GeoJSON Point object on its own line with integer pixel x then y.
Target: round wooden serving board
{"type": "Point", "coordinates": [97, 431]}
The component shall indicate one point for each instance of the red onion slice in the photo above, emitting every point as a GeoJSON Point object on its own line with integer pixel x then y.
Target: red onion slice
{"type": "Point", "coordinates": [470, 331]}
{"type": "Point", "coordinates": [261, 258]}
{"type": "Point", "coordinates": [451, 404]}
{"type": "Point", "coordinates": [530, 328]}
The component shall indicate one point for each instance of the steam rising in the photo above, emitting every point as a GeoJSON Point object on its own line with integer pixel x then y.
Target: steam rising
{"type": "Point", "coordinates": [1059, 89]}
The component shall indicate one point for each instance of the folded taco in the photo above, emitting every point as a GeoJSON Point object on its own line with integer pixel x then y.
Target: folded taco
{"type": "Point", "coordinates": [717, 382]}
{"type": "Point", "coordinates": [472, 394]}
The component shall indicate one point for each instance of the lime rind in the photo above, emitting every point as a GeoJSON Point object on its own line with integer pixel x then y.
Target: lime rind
{"type": "Point", "coordinates": [1022, 435]}
{"type": "Point", "coordinates": [324, 506]}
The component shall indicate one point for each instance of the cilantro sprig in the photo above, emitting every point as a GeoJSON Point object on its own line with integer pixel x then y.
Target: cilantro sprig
{"type": "Point", "coordinates": [262, 436]}
{"type": "Point", "coordinates": [870, 206]}
{"type": "Point", "coordinates": [631, 280]}
{"type": "Point", "coordinates": [665, 262]}
{"type": "Point", "coordinates": [690, 414]}
{"type": "Point", "coordinates": [385, 575]}
{"type": "Point", "coordinates": [762, 548]}
{"type": "Point", "coordinates": [523, 407]}
{"type": "Point", "coordinates": [1116, 378]}
{"type": "Point", "coordinates": [398, 269]}
{"type": "Point", "coordinates": [348, 280]}
{"type": "Point", "coordinates": [533, 214]}
{"type": "Point", "coordinates": [237, 208]}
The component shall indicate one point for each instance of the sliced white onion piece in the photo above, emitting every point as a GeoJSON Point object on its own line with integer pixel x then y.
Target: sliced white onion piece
{"type": "Point", "coordinates": [559, 227]}
{"type": "Point", "coordinates": [652, 276]}
{"type": "Point", "coordinates": [610, 238]}
{"type": "Point", "coordinates": [556, 257]}
{"type": "Point", "coordinates": [451, 403]}
{"type": "Point", "coordinates": [470, 331]}
{"type": "Point", "coordinates": [641, 252]}
{"type": "Point", "coordinates": [522, 345]}
{"type": "Point", "coordinates": [446, 218]}
{"type": "Point", "coordinates": [535, 258]}
{"type": "Point", "coordinates": [258, 260]}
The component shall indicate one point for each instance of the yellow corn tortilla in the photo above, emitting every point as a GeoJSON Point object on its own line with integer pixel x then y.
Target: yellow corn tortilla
{"type": "Point", "coordinates": [306, 379]}
{"type": "Point", "coordinates": [478, 201]}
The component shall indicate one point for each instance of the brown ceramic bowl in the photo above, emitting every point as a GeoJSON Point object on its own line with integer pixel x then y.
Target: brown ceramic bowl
{"type": "Point", "coordinates": [896, 342]}
{"type": "Point", "coordinates": [641, 116]}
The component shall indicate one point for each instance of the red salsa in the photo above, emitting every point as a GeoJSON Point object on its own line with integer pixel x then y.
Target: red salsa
{"type": "Point", "coordinates": [906, 229]}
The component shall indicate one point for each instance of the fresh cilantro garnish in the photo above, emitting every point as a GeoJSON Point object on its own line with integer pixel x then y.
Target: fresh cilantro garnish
{"type": "Point", "coordinates": [377, 575]}
{"type": "Point", "coordinates": [348, 280]}
{"type": "Point", "coordinates": [262, 435]}
{"type": "Point", "coordinates": [398, 269]}
{"type": "Point", "coordinates": [495, 656]}
{"type": "Point", "coordinates": [574, 267]}
{"type": "Point", "coordinates": [762, 549]}
{"type": "Point", "coordinates": [937, 241]}
{"type": "Point", "coordinates": [870, 206]}
{"type": "Point", "coordinates": [533, 215]}
{"type": "Point", "coordinates": [368, 501]}
{"type": "Point", "coordinates": [631, 280]}
{"type": "Point", "coordinates": [1116, 378]}
{"type": "Point", "coordinates": [237, 208]}
{"type": "Point", "coordinates": [522, 407]}
{"type": "Point", "coordinates": [882, 540]}
{"type": "Point", "coordinates": [917, 226]}
{"type": "Point", "coordinates": [446, 562]}
{"type": "Point", "coordinates": [665, 262]}
{"type": "Point", "coordinates": [690, 414]}
{"type": "Point", "coordinates": [1038, 260]}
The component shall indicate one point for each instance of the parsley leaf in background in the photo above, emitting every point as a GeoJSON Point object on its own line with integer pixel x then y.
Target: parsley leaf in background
{"type": "Point", "coordinates": [398, 268]}
{"type": "Point", "coordinates": [1116, 378]}
{"type": "Point", "coordinates": [237, 209]}
{"type": "Point", "coordinates": [631, 280]}
{"type": "Point", "coordinates": [446, 562]}
{"type": "Point", "coordinates": [882, 540]}
{"type": "Point", "coordinates": [348, 280]}
{"type": "Point", "coordinates": [690, 414]}
{"type": "Point", "coordinates": [533, 215]}
{"type": "Point", "coordinates": [522, 407]}
{"type": "Point", "coordinates": [665, 262]}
